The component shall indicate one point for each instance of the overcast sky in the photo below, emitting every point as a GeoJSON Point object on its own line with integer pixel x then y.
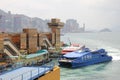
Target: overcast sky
{"type": "Point", "coordinates": [96, 14]}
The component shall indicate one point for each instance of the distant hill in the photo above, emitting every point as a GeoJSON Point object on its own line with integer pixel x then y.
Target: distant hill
{"type": "Point", "coordinates": [105, 30]}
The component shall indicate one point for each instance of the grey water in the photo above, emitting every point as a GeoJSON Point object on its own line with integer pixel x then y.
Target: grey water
{"type": "Point", "coordinates": [110, 41]}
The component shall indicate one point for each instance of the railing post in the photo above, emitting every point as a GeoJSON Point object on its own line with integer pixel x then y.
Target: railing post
{"type": "Point", "coordinates": [31, 74]}
{"type": "Point", "coordinates": [22, 77]}
{"type": "Point", "coordinates": [38, 71]}
{"type": "Point", "coordinates": [44, 69]}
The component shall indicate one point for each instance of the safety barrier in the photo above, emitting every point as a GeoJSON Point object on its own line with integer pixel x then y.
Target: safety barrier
{"type": "Point", "coordinates": [33, 74]}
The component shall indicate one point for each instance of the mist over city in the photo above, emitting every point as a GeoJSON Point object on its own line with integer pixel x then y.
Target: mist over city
{"type": "Point", "coordinates": [95, 14]}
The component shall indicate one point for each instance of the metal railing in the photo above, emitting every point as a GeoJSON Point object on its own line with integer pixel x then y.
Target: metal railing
{"type": "Point", "coordinates": [10, 67]}
{"type": "Point", "coordinates": [33, 74]}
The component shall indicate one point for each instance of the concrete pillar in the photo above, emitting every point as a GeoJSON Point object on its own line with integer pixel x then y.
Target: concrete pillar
{"type": "Point", "coordinates": [1, 43]}
{"type": "Point", "coordinates": [23, 41]}
{"type": "Point", "coordinates": [32, 39]}
{"type": "Point", "coordinates": [55, 26]}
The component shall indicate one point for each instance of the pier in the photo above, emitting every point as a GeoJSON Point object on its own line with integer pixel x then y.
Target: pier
{"type": "Point", "coordinates": [27, 73]}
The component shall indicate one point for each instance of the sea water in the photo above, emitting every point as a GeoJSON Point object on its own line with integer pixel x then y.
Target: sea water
{"type": "Point", "coordinates": [110, 41]}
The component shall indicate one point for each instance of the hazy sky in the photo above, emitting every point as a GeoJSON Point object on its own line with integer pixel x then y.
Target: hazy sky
{"type": "Point", "coordinates": [97, 14]}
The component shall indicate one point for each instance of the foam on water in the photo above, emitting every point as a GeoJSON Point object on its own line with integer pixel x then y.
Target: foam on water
{"type": "Point", "coordinates": [115, 53]}
{"type": "Point", "coordinates": [97, 44]}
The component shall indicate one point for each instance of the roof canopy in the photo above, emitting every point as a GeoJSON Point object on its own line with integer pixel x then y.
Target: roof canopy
{"type": "Point", "coordinates": [75, 54]}
{"type": "Point", "coordinates": [38, 53]}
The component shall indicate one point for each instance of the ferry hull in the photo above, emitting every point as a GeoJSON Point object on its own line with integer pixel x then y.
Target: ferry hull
{"type": "Point", "coordinates": [75, 64]}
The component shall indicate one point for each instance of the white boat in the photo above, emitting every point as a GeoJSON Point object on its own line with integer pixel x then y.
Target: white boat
{"type": "Point", "coordinates": [71, 48]}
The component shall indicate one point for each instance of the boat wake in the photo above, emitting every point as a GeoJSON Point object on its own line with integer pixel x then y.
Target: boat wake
{"type": "Point", "coordinates": [115, 53]}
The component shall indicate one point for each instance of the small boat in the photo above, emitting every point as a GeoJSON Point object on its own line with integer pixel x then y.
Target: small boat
{"type": "Point", "coordinates": [87, 57]}
{"type": "Point", "coordinates": [71, 48]}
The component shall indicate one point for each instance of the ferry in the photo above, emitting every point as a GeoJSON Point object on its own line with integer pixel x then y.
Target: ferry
{"type": "Point", "coordinates": [71, 48]}
{"type": "Point", "coordinates": [87, 57]}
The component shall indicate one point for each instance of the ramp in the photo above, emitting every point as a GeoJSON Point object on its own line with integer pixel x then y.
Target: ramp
{"type": "Point", "coordinates": [47, 42]}
{"type": "Point", "coordinates": [7, 52]}
{"type": "Point", "coordinates": [8, 48]}
{"type": "Point", "coordinates": [7, 42]}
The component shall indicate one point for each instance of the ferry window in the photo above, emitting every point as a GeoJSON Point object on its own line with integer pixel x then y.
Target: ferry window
{"type": "Point", "coordinates": [103, 55]}
{"type": "Point", "coordinates": [82, 58]}
{"type": "Point", "coordinates": [71, 58]}
{"type": "Point", "coordinates": [96, 56]}
{"type": "Point", "coordinates": [90, 56]}
{"type": "Point", "coordinates": [85, 58]}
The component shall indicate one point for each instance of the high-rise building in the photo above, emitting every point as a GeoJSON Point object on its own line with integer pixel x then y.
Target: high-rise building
{"type": "Point", "coordinates": [72, 26]}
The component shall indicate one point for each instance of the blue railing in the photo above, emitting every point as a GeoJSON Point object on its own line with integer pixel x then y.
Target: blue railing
{"type": "Point", "coordinates": [5, 69]}
{"type": "Point", "coordinates": [35, 73]}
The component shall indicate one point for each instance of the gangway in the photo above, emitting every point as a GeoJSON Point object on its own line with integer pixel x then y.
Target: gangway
{"type": "Point", "coordinates": [7, 42]}
{"type": "Point", "coordinates": [47, 41]}
{"type": "Point", "coordinates": [27, 73]}
{"type": "Point", "coordinates": [7, 52]}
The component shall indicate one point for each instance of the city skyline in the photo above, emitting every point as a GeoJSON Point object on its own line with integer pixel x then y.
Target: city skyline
{"type": "Point", "coordinates": [16, 22]}
{"type": "Point", "coordinates": [96, 14]}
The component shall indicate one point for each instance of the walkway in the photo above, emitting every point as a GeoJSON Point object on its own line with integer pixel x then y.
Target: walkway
{"type": "Point", "coordinates": [26, 73]}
